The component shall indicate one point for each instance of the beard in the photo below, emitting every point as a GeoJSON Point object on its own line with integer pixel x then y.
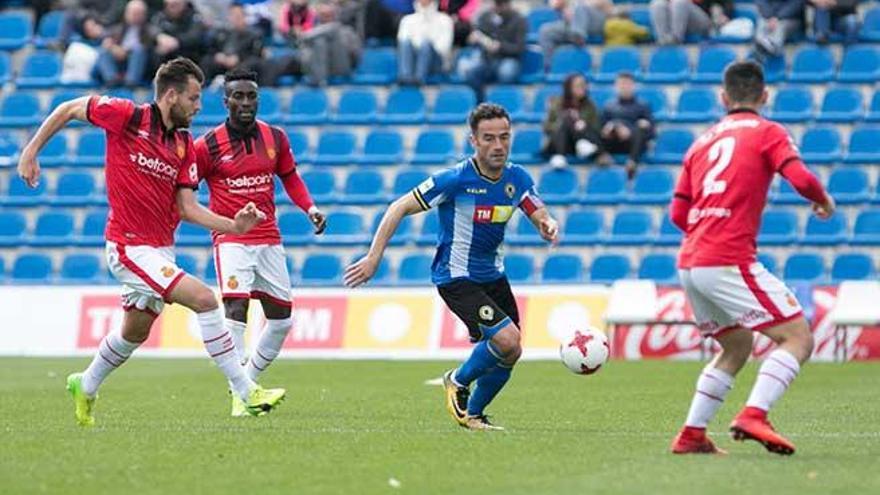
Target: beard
{"type": "Point", "coordinates": [179, 117]}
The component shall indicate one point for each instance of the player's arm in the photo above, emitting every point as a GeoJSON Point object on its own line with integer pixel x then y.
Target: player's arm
{"type": "Point", "coordinates": [807, 185]}
{"type": "Point", "coordinates": [294, 186]}
{"type": "Point", "coordinates": [28, 165]}
{"type": "Point", "coordinates": [362, 270]}
{"type": "Point", "coordinates": [191, 211]}
{"type": "Point", "coordinates": [546, 225]}
{"type": "Point", "coordinates": [680, 206]}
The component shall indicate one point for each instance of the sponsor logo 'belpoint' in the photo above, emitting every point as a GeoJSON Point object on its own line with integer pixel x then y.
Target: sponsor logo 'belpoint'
{"type": "Point", "coordinates": [154, 165]}
{"type": "Point", "coordinates": [249, 181]}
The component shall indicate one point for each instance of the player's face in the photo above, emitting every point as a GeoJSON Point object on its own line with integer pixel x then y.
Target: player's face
{"type": "Point", "coordinates": [188, 104]}
{"type": "Point", "coordinates": [492, 143]}
{"type": "Point", "coordinates": [242, 100]}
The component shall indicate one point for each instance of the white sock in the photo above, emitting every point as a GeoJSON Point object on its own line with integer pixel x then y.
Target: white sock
{"type": "Point", "coordinates": [712, 388]}
{"type": "Point", "coordinates": [113, 351]}
{"type": "Point", "coordinates": [237, 329]}
{"type": "Point", "coordinates": [218, 343]}
{"type": "Point", "coordinates": [780, 368]}
{"type": "Point", "coordinates": [268, 347]}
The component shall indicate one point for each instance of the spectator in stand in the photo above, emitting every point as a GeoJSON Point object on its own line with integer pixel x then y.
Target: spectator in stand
{"type": "Point", "coordinates": [673, 20]}
{"type": "Point", "coordinates": [295, 18]}
{"type": "Point", "coordinates": [126, 51]}
{"type": "Point", "coordinates": [462, 14]}
{"type": "Point", "coordinates": [620, 30]}
{"type": "Point", "coordinates": [212, 12]}
{"type": "Point", "coordinates": [500, 39]}
{"type": "Point", "coordinates": [237, 45]}
{"type": "Point", "coordinates": [424, 43]}
{"type": "Point", "coordinates": [579, 20]}
{"type": "Point", "coordinates": [258, 14]}
{"type": "Point", "coordinates": [88, 18]}
{"type": "Point", "coordinates": [779, 21]}
{"type": "Point", "coordinates": [181, 31]}
{"type": "Point", "coordinates": [572, 123]}
{"type": "Point", "coordinates": [835, 16]}
{"type": "Point", "coordinates": [627, 125]}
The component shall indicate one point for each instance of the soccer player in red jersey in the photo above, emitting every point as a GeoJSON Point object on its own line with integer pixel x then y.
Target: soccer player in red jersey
{"type": "Point", "coordinates": [718, 201]}
{"type": "Point", "coordinates": [151, 175]}
{"type": "Point", "coordinates": [239, 160]}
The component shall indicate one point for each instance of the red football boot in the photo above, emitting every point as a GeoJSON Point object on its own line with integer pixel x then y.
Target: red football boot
{"type": "Point", "coordinates": [692, 440]}
{"type": "Point", "coordinates": [752, 424]}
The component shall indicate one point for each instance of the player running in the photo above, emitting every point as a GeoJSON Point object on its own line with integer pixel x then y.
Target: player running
{"type": "Point", "coordinates": [476, 199]}
{"type": "Point", "coordinates": [718, 201]}
{"type": "Point", "coordinates": [239, 160]}
{"type": "Point", "coordinates": [151, 176]}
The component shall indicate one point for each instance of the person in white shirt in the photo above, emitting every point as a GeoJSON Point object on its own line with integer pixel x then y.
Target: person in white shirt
{"type": "Point", "coordinates": [424, 43]}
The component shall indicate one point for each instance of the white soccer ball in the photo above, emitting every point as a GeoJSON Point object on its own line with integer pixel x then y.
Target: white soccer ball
{"type": "Point", "coordinates": [585, 352]}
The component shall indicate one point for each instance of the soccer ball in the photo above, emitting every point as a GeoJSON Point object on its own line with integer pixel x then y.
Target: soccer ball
{"type": "Point", "coordinates": [585, 352]}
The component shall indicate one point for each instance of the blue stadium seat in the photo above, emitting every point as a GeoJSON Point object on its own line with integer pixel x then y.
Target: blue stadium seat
{"type": "Point", "coordinates": [655, 97]}
{"type": "Point", "coordinates": [602, 95]}
{"type": "Point", "coordinates": [19, 194]}
{"type": "Point", "coordinates": [321, 269]}
{"type": "Point", "coordinates": [874, 112]}
{"type": "Point", "coordinates": [378, 66]}
{"type": "Point", "coordinates": [452, 105]}
{"type": "Point", "coordinates": [356, 106]}
{"type": "Point", "coordinates": [364, 187]}
{"type": "Point", "coordinates": [660, 268]}
{"type": "Point", "coordinates": [15, 30]}
{"type": "Point", "coordinates": [525, 234]}
{"type": "Point", "coordinates": [2, 270]}
{"type": "Point", "coordinates": [608, 268]}
{"type": "Point", "coordinates": [5, 68]}
{"type": "Point", "coordinates": [404, 106]}
{"type": "Point", "coordinates": [631, 227]}
{"type": "Point", "coordinates": [537, 17]}
{"type": "Point", "coordinates": [213, 110]}
{"type": "Point", "coordinates": [90, 149]}
{"type": "Point", "coordinates": [825, 232]}
{"type": "Point", "coordinates": [210, 274]}
{"type": "Point", "coordinates": [842, 105]}
{"type": "Point", "coordinates": [711, 64]}
{"type": "Point", "coordinates": [778, 228]}
{"type": "Point", "coordinates": [270, 106]}
{"type": "Point", "coordinates": [852, 266]}
{"type": "Point", "coordinates": [12, 228]}
{"type": "Point", "coordinates": [670, 147]}
{"type": "Point", "coordinates": [382, 147]}
{"type": "Point", "coordinates": [54, 228]}
{"type": "Point", "coordinates": [321, 184]}
{"type": "Point", "coordinates": [33, 268]}
{"type": "Point", "coordinates": [427, 235]}
{"type": "Point", "coordinates": [526, 148]}
{"type": "Point", "coordinates": [786, 195]}
{"type": "Point", "coordinates": [49, 28]}
{"type": "Point", "coordinates": [669, 234]}
{"type": "Point", "coordinates": [792, 104]}
{"type": "Point", "coordinates": [191, 235]}
{"type": "Point", "coordinates": [74, 189]}
{"type": "Point", "coordinates": [414, 269]}
{"type": "Point", "coordinates": [616, 60]}
{"type": "Point", "coordinates": [54, 153]}
{"type": "Point", "coordinates": [81, 268]}
{"type": "Point", "coordinates": [821, 145]}
{"type": "Point", "coordinates": [296, 228]}
{"type": "Point", "coordinates": [697, 105]}
{"type": "Point", "coordinates": [567, 60]}
{"type": "Point", "coordinates": [186, 262]}
{"type": "Point", "coordinates": [511, 98]}
{"type": "Point", "coordinates": [769, 262]}
{"type": "Point", "coordinates": [804, 267]}
{"type": "Point", "coordinates": [863, 145]}
{"type": "Point", "coordinates": [558, 186]}
{"type": "Point", "coordinates": [531, 64]}
{"type": "Point", "coordinates": [861, 64]}
{"type": "Point", "coordinates": [866, 231]}
{"type": "Point", "coordinates": [849, 185]}
{"type": "Point", "coordinates": [433, 146]}
{"type": "Point", "coordinates": [20, 109]}
{"type": "Point", "coordinates": [299, 144]}
{"type": "Point", "coordinates": [308, 106]}
{"type": "Point", "coordinates": [336, 148]}
{"type": "Point", "coordinates": [519, 268]}
{"type": "Point", "coordinates": [583, 227]}
{"type": "Point", "coordinates": [605, 186]}
{"type": "Point", "coordinates": [92, 232]}
{"type": "Point", "coordinates": [344, 228]}
{"type": "Point", "coordinates": [668, 64]}
{"type": "Point", "coordinates": [871, 26]}
{"type": "Point", "coordinates": [774, 69]}
{"type": "Point", "coordinates": [562, 268]}
{"type": "Point", "coordinates": [406, 180]}
{"type": "Point", "coordinates": [812, 65]}
{"type": "Point", "coordinates": [9, 148]}
{"type": "Point", "coordinates": [652, 186]}
{"type": "Point", "coordinates": [541, 102]}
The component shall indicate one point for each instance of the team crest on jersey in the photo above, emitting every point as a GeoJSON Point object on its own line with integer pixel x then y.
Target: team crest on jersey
{"type": "Point", "coordinates": [180, 150]}
{"type": "Point", "coordinates": [791, 300]}
{"type": "Point", "coordinates": [167, 271]}
{"type": "Point", "coordinates": [271, 153]}
{"type": "Point", "coordinates": [232, 283]}
{"type": "Point", "coordinates": [487, 313]}
{"type": "Point", "coordinates": [509, 190]}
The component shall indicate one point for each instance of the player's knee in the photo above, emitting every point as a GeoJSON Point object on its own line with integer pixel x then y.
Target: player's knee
{"type": "Point", "coordinates": [204, 301]}
{"type": "Point", "coordinates": [508, 341]}
{"type": "Point", "coordinates": [236, 309]}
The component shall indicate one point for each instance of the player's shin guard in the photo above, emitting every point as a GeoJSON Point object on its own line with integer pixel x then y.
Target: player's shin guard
{"type": "Point", "coordinates": [268, 347]}
{"type": "Point", "coordinates": [777, 372]}
{"type": "Point", "coordinates": [218, 342]}
{"type": "Point", "coordinates": [112, 353]}
{"type": "Point", "coordinates": [712, 388]}
{"type": "Point", "coordinates": [487, 388]}
{"type": "Point", "coordinates": [483, 358]}
{"type": "Point", "coordinates": [237, 329]}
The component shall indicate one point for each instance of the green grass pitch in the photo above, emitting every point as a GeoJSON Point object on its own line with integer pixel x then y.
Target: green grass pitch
{"type": "Point", "coordinates": [367, 427]}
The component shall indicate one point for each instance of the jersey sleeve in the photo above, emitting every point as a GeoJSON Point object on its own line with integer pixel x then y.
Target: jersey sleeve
{"type": "Point", "coordinates": [779, 147]}
{"type": "Point", "coordinates": [683, 188]}
{"type": "Point", "coordinates": [108, 113]}
{"type": "Point", "coordinates": [203, 160]}
{"type": "Point", "coordinates": [436, 188]}
{"type": "Point", "coordinates": [285, 165]}
{"type": "Point", "coordinates": [529, 200]}
{"type": "Point", "coordinates": [188, 174]}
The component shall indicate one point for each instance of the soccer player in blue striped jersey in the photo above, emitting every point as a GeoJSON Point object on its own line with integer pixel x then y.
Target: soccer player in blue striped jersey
{"type": "Point", "coordinates": [475, 199]}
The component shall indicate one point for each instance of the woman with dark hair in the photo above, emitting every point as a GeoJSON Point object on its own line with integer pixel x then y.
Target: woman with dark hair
{"type": "Point", "coordinates": [572, 123]}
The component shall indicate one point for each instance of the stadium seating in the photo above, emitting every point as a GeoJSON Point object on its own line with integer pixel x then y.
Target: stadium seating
{"type": "Point", "coordinates": [433, 147]}
{"type": "Point", "coordinates": [873, 114]}
{"type": "Point", "coordinates": [16, 29]}
{"type": "Point", "coordinates": [842, 105]}
{"type": "Point", "coordinates": [509, 97]}
{"type": "Point", "coordinates": [19, 194]}
{"type": "Point", "coordinates": [13, 225]}
{"type": "Point", "coordinates": [20, 109]}
{"type": "Point", "coordinates": [519, 268]}
{"type": "Point", "coordinates": [655, 97]}
{"type": "Point", "coordinates": [862, 147]}
{"type": "Point", "coordinates": [792, 104]}
{"type": "Point", "coordinates": [821, 145]}
{"type": "Point", "coordinates": [452, 105]}
{"type": "Point", "coordinates": [190, 235]}
{"type": "Point", "coordinates": [406, 181]}
{"type": "Point", "coordinates": [54, 154]}
{"type": "Point", "coordinates": [631, 227]}
{"type": "Point", "coordinates": [377, 66]}
{"type": "Point", "coordinates": [308, 107]}
{"type": "Point", "coordinates": [74, 189]}
{"type": "Point", "coordinates": [90, 149]}
{"type": "Point", "coordinates": [524, 234]}
{"type": "Point", "coordinates": [861, 64]}
{"type": "Point", "coordinates": [92, 232]}
{"type": "Point", "coordinates": [321, 269]}
{"type": "Point", "coordinates": [670, 146]}
{"type": "Point", "coordinates": [652, 186]}
{"type": "Point", "coordinates": [849, 185]}
{"type": "Point", "coordinates": [49, 28]}
{"type": "Point", "coordinates": [825, 232]}
{"type": "Point", "coordinates": [5, 68]}
{"type": "Point", "coordinates": [404, 106]}
{"type": "Point", "coordinates": [187, 263]}
{"type": "Point", "coordinates": [415, 269]}
{"type": "Point", "coordinates": [32, 268]}
{"type": "Point", "coordinates": [852, 266]}
{"type": "Point", "coordinates": [382, 148]}
{"type": "Point", "coordinates": [81, 268]}
{"type": "Point", "coordinates": [608, 268]}
{"type": "Point", "coordinates": [583, 227]}
{"type": "Point", "coordinates": [558, 186]}
{"type": "Point", "coordinates": [668, 65]}
{"type": "Point", "coordinates": [711, 64]}
{"type": "Point", "coordinates": [213, 110]}
{"type": "Point", "coordinates": [778, 228]}
{"type": "Point", "coordinates": [356, 107]}
{"type": "Point", "coordinates": [605, 186]}
{"type": "Point", "coordinates": [669, 234]}
{"type": "Point", "coordinates": [866, 231]}
{"type": "Point", "coordinates": [871, 26]}
{"type": "Point", "coordinates": [661, 268]}
{"type": "Point", "coordinates": [567, 60]}
{"type": "Point", "coordinates": [336, 148]}
{"type": "Point", "coordinates": [321, 184]}
{"type": "Point", "coordinates": [562, 268]}
{"type": "Point", "coordinates": [344, 228]}
{"type": "Point", "coordinates": [531, 66]}
{"type": "Point", "coordinates": [402, 235]}
{"type": "Point", "coordinates": [769, 262]}
{"type": "Point", "coordinates": [526, 147]}
{"type": "Point", "coordinates": [616, 60]}
{"type": "Point", "coordinates": [430, 227]}
{"type": "Point", "coordinates": [812, 65]}
{"type": "Point", "coordinates": [296, 228]}
{"type": "Point", "coordinates": [804, 267]}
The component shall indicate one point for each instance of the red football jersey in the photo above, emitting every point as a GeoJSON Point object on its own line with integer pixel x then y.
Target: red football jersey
{"type": "Point", "coordinates": [145, 164]}
{"type": "Point", "coordinates": [727, 173]}
{"type": "Point", "coordinates": [240, 168]}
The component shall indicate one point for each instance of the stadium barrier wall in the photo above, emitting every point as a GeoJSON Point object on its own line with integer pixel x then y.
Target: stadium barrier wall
{"type": "Point", "coordinates": [411, 323]}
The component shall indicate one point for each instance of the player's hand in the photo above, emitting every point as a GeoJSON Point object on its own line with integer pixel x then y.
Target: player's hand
{"type": "Point", "coordinates": [549, 230]}
{"type": "Point", "coordinates": [825, 210]}
{"type": "Point", "coordinates": [319, 220]}
{"type": "Point", "coordinates": [247, 218]}
{"type": "Point", "coordinates": [29, 169]}
{"type": "Point", "coordinates": [359, 272]}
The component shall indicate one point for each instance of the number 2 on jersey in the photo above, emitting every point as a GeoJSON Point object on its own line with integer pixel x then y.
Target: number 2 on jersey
{"type": "Point", "coordinates": [720, 154]}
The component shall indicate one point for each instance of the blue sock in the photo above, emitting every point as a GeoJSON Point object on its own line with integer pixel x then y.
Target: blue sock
{"type": "Point", "coordinates": [487, 388]}
{"type": "Point", "coordinates": [483, 358]}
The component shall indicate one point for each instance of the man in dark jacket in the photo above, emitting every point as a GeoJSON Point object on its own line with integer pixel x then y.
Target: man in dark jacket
{"type": "Point", "coordinates": [126, 50]}
{"type": "Point", "coordinates": [627, 125]}
{"type": "Point", "coordinates": [234, 45]}
{"type": "Point", "coordinates": [780, 20]}
{"type": "Point", "coordinates": [500, 39]}
{"type": "Point", "coordinates": [836, 16]}
{"type": "Point", "coordinates": [181, 31]}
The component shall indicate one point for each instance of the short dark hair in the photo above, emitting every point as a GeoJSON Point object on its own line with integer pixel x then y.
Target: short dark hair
{"type": "Point", "coordinates": [175, 74]}
{"type": "Point", "coordinates": [626, 75]}
{"type": "Point", "coordinates": [744, 81]}
{"type": "Point", "coordinates": [486, 111]}
{"type": "Point", "coordinates": [239, 74]}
